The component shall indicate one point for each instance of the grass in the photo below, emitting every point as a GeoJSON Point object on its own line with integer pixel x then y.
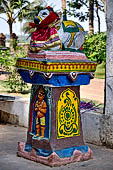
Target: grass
{"type": "Point", "coordinates": [4, 89]}
{"type": "Point", "coordinates": [100, 71]}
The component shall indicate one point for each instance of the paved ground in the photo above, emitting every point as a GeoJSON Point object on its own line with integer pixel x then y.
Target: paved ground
{"type": "Point", "coordinates": [10, 135]}
{"type": "Point", "coordinates": [93, 91]}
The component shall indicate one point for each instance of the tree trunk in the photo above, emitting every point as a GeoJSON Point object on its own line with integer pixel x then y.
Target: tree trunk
{"type": "Point", "coordinates": [63, 4]}
{"type": "Point", "coordinates": [64, 10]}
{"type": "Point", "coordinates": [98, 17]}
{"type": "Point", "coordinates": [91, 16]}
{"type": "Point", "coordinates": [10, 28]}
{"type": "Point", "coordinates": [109, 59]}
{"type": "Point", "coordinates": [11, 31]}
{"type": "Point", "coordinates": [104, 2]}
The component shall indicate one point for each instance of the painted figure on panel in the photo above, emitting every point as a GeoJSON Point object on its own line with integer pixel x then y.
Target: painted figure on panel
{"type": "Point", "coordinates": [41, 109]}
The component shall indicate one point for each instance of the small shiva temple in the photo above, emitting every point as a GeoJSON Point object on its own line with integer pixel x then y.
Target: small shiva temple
{"type": "Point", "coordinates": [56, 66]}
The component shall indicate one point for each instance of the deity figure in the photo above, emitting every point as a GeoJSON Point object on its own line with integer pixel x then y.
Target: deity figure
{"type": "Point", "coordinates": [41, 109]}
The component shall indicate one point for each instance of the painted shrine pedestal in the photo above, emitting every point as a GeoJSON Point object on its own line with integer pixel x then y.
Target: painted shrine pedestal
{"type": "Point", "coordinates": [55, 134]}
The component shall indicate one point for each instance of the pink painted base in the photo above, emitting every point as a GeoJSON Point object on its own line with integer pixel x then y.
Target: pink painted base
{"type": "Point", "coordinates": [58, 55]}
{"type": "Point", "coordinates": [54, 159]}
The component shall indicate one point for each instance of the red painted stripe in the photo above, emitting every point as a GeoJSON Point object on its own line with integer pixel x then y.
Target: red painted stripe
{"type": "Point", "coordinates": [31, 112]}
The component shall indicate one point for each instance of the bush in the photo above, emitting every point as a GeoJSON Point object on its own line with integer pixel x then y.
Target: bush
{"type": "Point", "coordinates": [5, 60]}
{"type": "Point", "coordinates": [95, 47]}
{"type": "Point", "coordinates": [8, 63]}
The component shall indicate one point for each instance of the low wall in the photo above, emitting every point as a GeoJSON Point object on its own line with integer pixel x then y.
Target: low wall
{"type": "Point", "coordinates": [91, 126]}
{"type": "Point", "coordinates": [14, 110]}
{"type": "Point", "coordinates": [97, 127]}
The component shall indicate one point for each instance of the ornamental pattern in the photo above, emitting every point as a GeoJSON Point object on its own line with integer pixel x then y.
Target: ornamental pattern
{"type": "Point", "coordinates": [67, 115]}
{"type": "Point", "coordinates": [56, 66]}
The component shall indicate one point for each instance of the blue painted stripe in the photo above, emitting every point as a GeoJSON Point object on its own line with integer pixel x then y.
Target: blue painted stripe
{"type": "Point", "coordinates": [69, 151]}
{"type": "Point", "coordinates": [64, 153]}
{"type": "Point", "coordinates": [28, 147]}
{"type": "Point", "coordinates": [56, 80]}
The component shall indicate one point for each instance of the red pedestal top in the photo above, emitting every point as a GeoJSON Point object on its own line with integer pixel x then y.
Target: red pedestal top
{"type": "Point", "coordinates": [58, 55]}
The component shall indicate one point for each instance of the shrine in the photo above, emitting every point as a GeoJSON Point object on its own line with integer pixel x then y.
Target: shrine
{"type": "Point", "coordinates": [55, 135]}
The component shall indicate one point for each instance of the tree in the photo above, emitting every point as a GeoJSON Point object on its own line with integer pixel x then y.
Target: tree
{"type": "Point", "coordinates": [63, 4]}
{"type": "Point", "coordinates": [64, 9]}
{"type": "Point", "coordinates": [104, 2]}
{"type": "Point", "coordinates": [91, 16]}
{"type": "Point", "coordinates": [75, 9]}
{"type": "Point", "coordinates": [99, 6]}
{"type": "Point", "coordinates": [91, 6]}
{"type": "Point", "coordinates": [97, 13]}
{"type": "Point", "coordinates": [13, 10]}
{"type": "Point", "coordinates": [33, 11]}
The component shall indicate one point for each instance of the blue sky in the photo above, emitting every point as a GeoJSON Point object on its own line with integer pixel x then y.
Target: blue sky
{"type": "Point", "coordinates": [57, 6]}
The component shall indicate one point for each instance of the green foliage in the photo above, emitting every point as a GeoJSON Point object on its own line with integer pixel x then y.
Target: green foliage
{"type": "Point", "coordinates": [9, 6]}
{"type": "Point", "coordinates": [8, 63]}
{"type": "Point", "coordinates": [5, 60]}
{"type": "Point", "coordinates": [15, 10]}
{"type": "Point", "coordinates": [80, 8]}
{"type": "Point", "coordinates": [95, 47]}
{"type": "Point", "coordinates": [75, 7]}
{"type": "Point", "coordinates": [29, 16]}
{"type": "Point", "coordinates": [100, 71]}
{"type": "Point", "coordinates": [16, 83]}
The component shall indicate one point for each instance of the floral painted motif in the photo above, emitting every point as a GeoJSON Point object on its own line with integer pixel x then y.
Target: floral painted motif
{"type": "Point", "coordinates": [67, 120]}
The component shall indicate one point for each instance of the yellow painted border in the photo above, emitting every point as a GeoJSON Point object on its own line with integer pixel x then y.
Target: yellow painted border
{"type": "Point", "coordinates": [55, 67]}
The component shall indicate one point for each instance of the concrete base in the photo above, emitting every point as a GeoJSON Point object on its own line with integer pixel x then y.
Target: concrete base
{"type": "Point", "coordinates": [91, 124]}
{"type": "Point", "coordinates": [14, 110]}
{"type": "Point", "coordinates": [53, 159]}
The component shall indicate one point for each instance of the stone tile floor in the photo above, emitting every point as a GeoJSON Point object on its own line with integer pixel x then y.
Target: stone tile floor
{"type": "Point", "coordinates": [10, 135]}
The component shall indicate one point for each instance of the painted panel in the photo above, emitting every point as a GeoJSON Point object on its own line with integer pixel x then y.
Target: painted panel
{"type": "Point", "coordinates": [39, 123]}
{"type": "Point", "coordinates": [67, 115]}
